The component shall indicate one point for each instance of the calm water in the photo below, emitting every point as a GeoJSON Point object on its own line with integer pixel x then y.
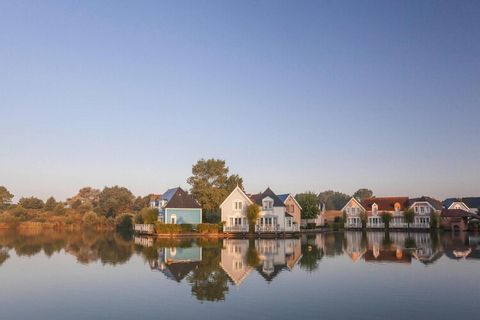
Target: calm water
{"type": "Point", "coordinates": [338, 275]}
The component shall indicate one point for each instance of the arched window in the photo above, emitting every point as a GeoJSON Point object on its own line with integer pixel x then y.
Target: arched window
{"type": "Point", "coordinates": [374, 209]}
{"type": "Point", "coordinates": [397, 206]}
{"type": "Point", "coordinates": [173, 219]}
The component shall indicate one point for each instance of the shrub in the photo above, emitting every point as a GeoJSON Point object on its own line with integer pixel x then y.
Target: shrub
{"type": "Point", "coordinates": [76, 204]}
{"type": "Point", "coordinates": [50, 204]}
{"type": "Point", "coordinates": [19, 213]}
{"type": "Point", "coordinates": [207, 228]}
{"type": "Point", "coordinates": [124, 222]}
{"type": "Point", "coordinates": [163, 228]}
{"type": "Point", "coordinates": [90, 219]}
{"type": "Point", "coordinates": [59, 209]}
{"type": "Point", "coordinates": [149, 215]}
{"type": "Point", "coordinates": [138, 218]}
{"type": "Point", "coordinates": [84, 208]}
{"type": "Point", "coordinates": [31, 203]}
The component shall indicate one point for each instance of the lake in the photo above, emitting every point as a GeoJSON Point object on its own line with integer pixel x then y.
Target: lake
{"type": "Point", "coordinates": [349, 275]}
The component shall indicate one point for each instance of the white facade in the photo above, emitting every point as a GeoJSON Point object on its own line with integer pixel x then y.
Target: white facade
{"type": "Point", "coordinates": [353, 210]}
{"type": "Point", "coordinates": [271, 218]}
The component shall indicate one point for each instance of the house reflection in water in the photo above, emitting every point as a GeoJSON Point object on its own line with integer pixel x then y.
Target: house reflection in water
{"type": "Point", "coordinates": [234, 259]}
{"type": "Point", "coordinates": [269, 257]}
{"type": "Point", "coordinates": [177, 262]}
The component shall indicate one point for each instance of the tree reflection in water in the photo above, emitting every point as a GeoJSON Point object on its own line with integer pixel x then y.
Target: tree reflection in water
{"type": "Point", "coordinates": [210, 266]}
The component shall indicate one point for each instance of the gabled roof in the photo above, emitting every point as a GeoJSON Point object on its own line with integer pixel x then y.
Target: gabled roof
{"type": "Point", "coordinates": [354, 200]}
{"type": "Point", "coordinates": [178, 271]}
{"type": "Point", "coordinates": [436, 204]}
{"type": "Point", "coordinates": [237, 188]}
{"type": "Point", "coordinates": [385, 203]}
{"type": "Point", "coordinates": [456, 213]}
{"type": "Point", "coordinates": [284, 197]}
{"type": "Point", "coordinates": [471, 202]}
{"type": "Point", "coordinates": [178, 198]}
{"type": "Point", "coordinates": [257, 198]}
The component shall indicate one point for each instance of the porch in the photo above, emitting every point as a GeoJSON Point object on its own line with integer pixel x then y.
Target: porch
{"type": "Point", "coordinates": [375, 222]}
{"type": "Point", "coordinates": [353, 223]}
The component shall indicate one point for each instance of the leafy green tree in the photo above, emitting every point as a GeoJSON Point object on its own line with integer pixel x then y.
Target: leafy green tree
{"type": "Point", "coordinates": [149, 215]}
{"type": "Point", "coordinates": [333, 200]}
{"type": "Point", "coordinates": [5, 197]}
{"type": "Point", "coordinates": [309, 203]}
{"type": "Point", "coordinates": [50, 204]}
{"type": "Point", "coordinates": [114, 200]}
{"type": "Point", "coordinates": [409, 216]}
{"type": "Point", "coordinates": [59, 209]}
{"type": "Point", "coordinates": [364, 218]}
{"type": "Point", "coordinates": [86, 195]}
{"type": "Point", "coordinates": [31, 203]}
{"type": "Point", "coordinates": [386, 218]}
{"type": "Point", "coordinates": [253, 211]}
{"type": "Point", "coordinates": [124, 222]}
{"type": "Point", "coordinates": [363, 193]}
{"type": "Point", "coordinates": [90, 219]}
{"type": "Point", "coordinates": [433, 220]}
{"type": "Point", "coordinates": [140, 203]}
{"type": "Point", "coordinates": [211, 183]}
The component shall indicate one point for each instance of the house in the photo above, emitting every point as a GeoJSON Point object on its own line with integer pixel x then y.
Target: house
{"type": "Point", "coordinates": [273, 216]}
{"type": "Point", "coordinates": [354, 211]}
{"type": "Point", "coordinates": [292, 207]}
{"type": "Point", "coordinates": [176, 206]}
{"type": "Point", "coordinates": [234, 260]}
{"type": "Point", "coordinates": [373, 208]}
{"type": "Point", "coordinates": [177, 262]}
{"type": "Point", "coordinates": [455, 219]}
{"type": "Point", "coordinates": [471, 204]}
{"type": "Point", "coordinates": [423, 208]}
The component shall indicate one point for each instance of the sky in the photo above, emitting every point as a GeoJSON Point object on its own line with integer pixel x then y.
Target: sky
{"type": "Point", "coordinates": [295, 95]}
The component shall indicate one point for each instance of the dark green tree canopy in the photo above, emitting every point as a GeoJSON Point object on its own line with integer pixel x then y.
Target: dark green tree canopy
{"type": "Point", "coordinates": [5, 197]}
{"type": "Point", "coordinates": [309, 203]}
{"type": "Point", "coordinates": [50, 204]}
{"type": "Point", "coordinates": [211, 183]}
{"type": "Point", "coordinates": [363, 193]}
{"type": "Point", "coordinates": [333, 200]}
{"type": "Point", "coordinates": [114, 200]}
{"type": "Point", "coordinates": [31, 203]}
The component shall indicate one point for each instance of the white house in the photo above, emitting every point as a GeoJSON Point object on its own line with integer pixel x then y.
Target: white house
{"type": "Point", "coordinates": [469, 204]}
{"type": "Point", "coordinates": [272, 217]}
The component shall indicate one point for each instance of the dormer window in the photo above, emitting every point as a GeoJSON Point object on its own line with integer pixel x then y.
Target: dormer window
{"type": "Point", "coordinates": [267, 204]}
{"type": "Point", "coordinates": [374, 209]}
{"type": "Point", "coordinates": [397, 206]}
{"type": "Point", "coordinates": [238, 205]}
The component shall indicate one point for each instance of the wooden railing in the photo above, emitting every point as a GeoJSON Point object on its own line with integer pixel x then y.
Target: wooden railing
{"type": "Point", "coordinates": [144, 228]}
{"type": "Point", "coordinates": [242, 228]}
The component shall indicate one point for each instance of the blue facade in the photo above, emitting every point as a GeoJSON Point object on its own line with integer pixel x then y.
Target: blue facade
{"type": "Point", "coordinates": [183, 216]}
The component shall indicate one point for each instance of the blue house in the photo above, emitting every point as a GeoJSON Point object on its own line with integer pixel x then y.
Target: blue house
{"type": "Point", "coordinates": [177, 207]}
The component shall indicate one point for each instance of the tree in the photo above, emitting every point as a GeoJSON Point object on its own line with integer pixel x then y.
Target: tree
{"type": "Point", "coordinates": [114, 200]}
{"type": "Point", "coordinates": [59, 209]}
{"type": "Point", "coordinates": [309, 203]}
{"type": "Point", "coordinates": [31, 203]}
{"type": "Point", "coordinates": [433, 220]}
{"type": "Point", "coordinates": [333, 200]}
{"type": "Point", "coordinates": [50, 204]}
{"type": "Point", "coordinates": [5, 197]}
{"type": "Point", "coordinates": [86, 195]}
{"type": "Point", "coordinates": [409, 215]}
{"type": "Point", "coordinates": [140, 203]}
{"type": "Point", "coordinates": [76, 204]}
{"type": "Point", "coordinates": [253, 211]}
{"type": "Point", "coordinates": [124, 222]}
{"type": "Point", "coordinates": [363, 193]}
{"type": "Point", "coordinates": [90, 219]}
{"type": "Point", "coordinates": [211, 183]}
{"type": "Point", "coordinates": [386, 218]}
{"type": "Point", "coordinates": [149, 215]}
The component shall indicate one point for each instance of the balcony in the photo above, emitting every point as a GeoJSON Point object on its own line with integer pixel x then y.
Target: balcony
{"type": "Point", "coordinates": [240, 228]}
{"type": "Point", "coordinates": [420, 225]}
{"type": "Point", "coordinates": [353, 225]}
{"type": "Point", "coordinates": [379, 225]}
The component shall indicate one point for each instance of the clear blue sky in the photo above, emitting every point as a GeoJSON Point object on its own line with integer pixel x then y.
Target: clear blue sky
{"type": "Point", "coordinates": [295, 95]}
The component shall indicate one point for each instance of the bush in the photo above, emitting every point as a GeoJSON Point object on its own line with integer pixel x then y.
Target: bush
{"type": "Point", "coordinates": [84, 208]}
{"type": "Point", "coordinates": [124, 222]}
{"type": "Point", "coordinates": [59, 209]}
{"type": "Point", "coordinates": [138, 218]}
{"type": "Point", "coordinates": [19, 213]}
{"type": "Point", "coordinates": [31, 203]}
{"type": "Point", "coordinates": [207, 228]}
{"type": "Point", "coordinates": [149, 215]}
{"type": "Point", "coordinates": [50, 204]}
{"type": "Point", "coordinates": [90, 219]}
{"type": "Point", "coordinates": [163, 228]}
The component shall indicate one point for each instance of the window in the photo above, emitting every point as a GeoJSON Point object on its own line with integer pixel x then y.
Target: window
{"type": "Point", "coordinates": [397, 206]}
{"type": "Point", "coordinates": [238, 205]}
{"type": "Point", "coordinates": [416, 209]}
{"type": "Point", "coordinates": [267, 204]}
{"type": "Point", "coordinates": [289, 223]}
{"type": "Point", "coordinates": [422, 210]}
{"type": "Point", "coordinates": [173, 219]}
{"type": "Point", "coordinates": [375, 209]}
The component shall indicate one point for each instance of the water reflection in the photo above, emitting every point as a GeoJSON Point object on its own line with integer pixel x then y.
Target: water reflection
{"type": "Point", "coordinates": [210, 266]}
